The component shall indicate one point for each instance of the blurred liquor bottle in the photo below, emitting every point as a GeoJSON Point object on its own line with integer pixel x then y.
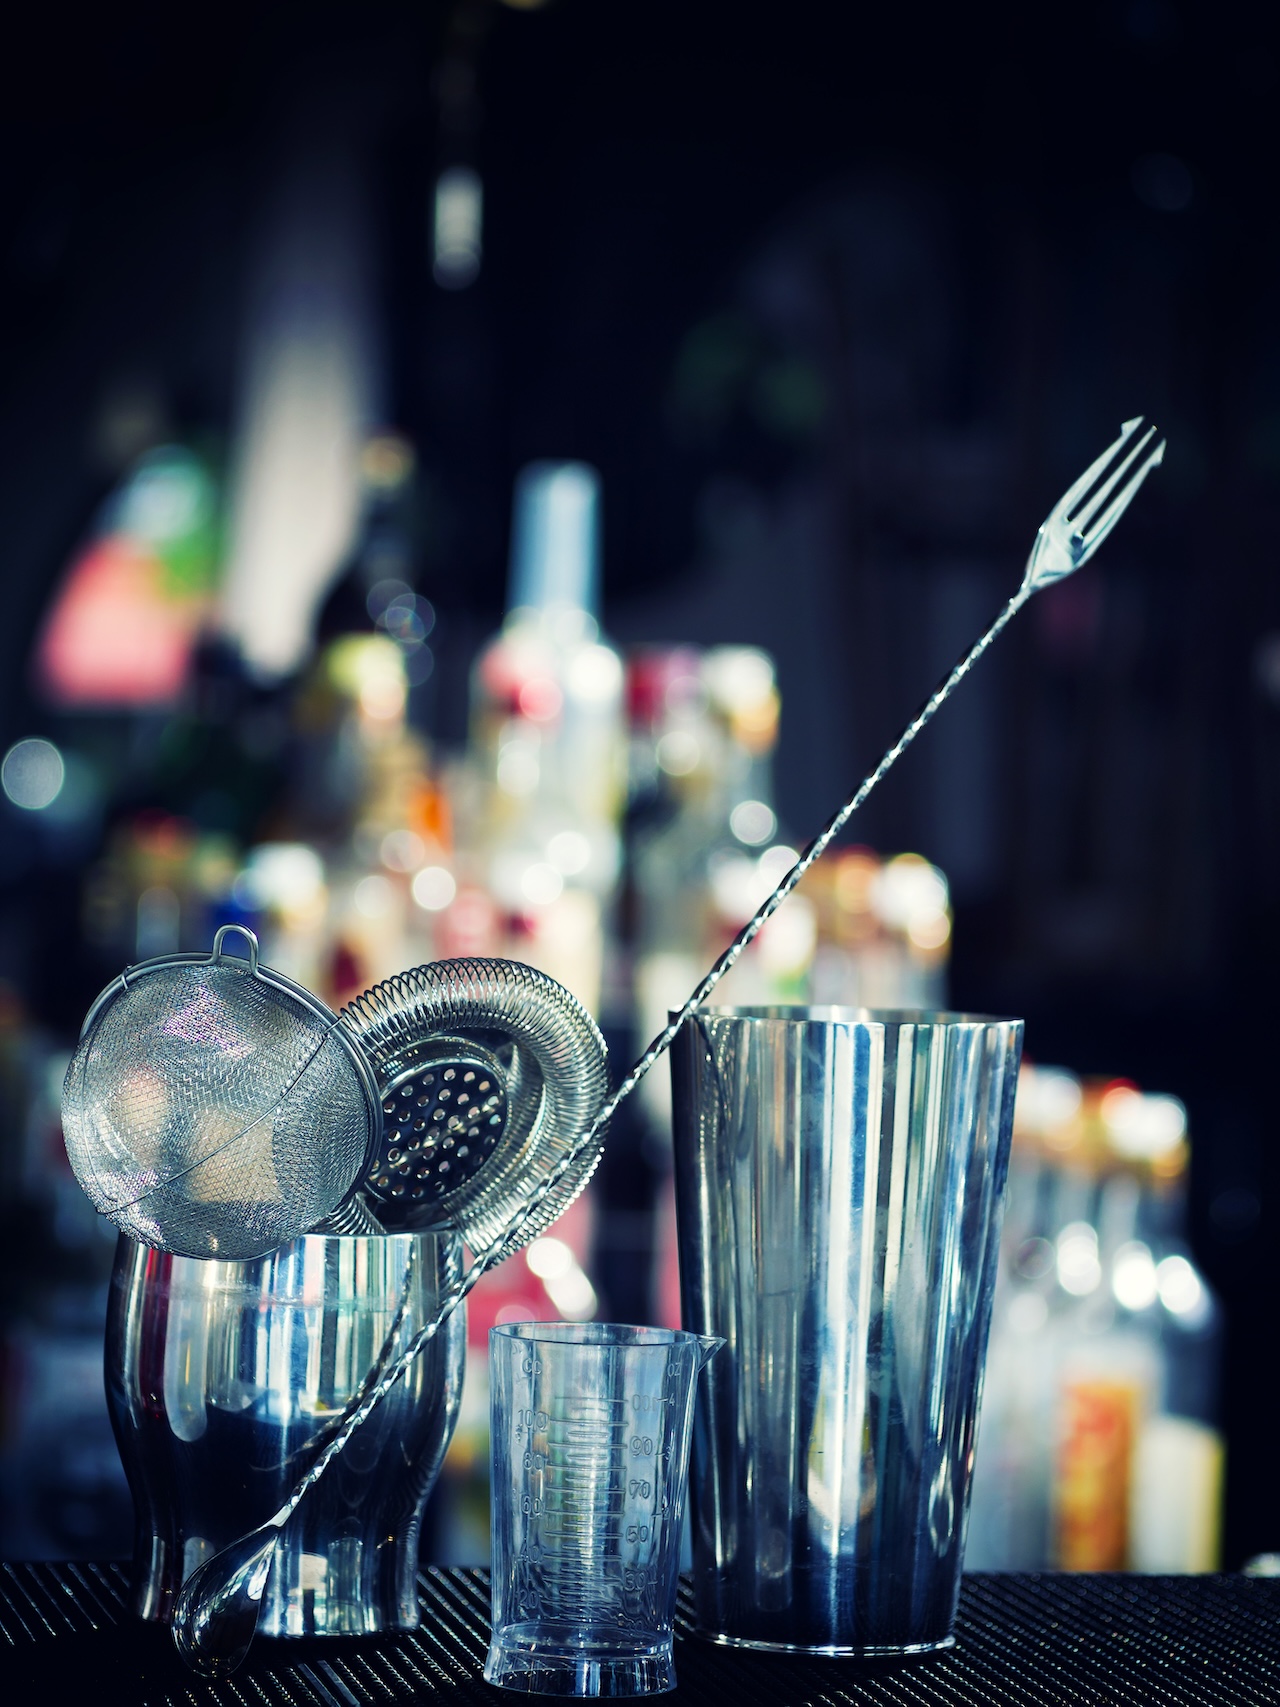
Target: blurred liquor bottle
{"type": "Point", "coordinates": [386, 856]}
{"type": "Point", "coordinates": [308, 809]}
{"type": "Point", "coordinates": [1098, 1447]}
{"type": "Point", "coordinates": [1108, 1373]}
{"type": "Point", "coordinates": [547, 741]}
{"type": "Point", "coordinates": [706, 849]}
{"type": "Point", "coordinates": [884, 931]}
{"type": "Point", "coordinates": [1049, 1187]}
{"type": "Point", "coordinates": [543, 1282]}
{"type": "Point", "coordinates": [365, 790]}
{"type": "Point", "coordinates": [536, 805]}
{"type": "Point", "coordinates": [1178, 1457]}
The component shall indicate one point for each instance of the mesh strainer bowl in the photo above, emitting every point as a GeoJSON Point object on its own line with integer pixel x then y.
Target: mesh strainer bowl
{"type": "Point", "coordinates": [214, 1108]}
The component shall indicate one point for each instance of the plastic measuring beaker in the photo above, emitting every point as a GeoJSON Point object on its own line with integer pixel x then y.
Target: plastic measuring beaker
{"type": "Point", "coordinates": [590, 1427]}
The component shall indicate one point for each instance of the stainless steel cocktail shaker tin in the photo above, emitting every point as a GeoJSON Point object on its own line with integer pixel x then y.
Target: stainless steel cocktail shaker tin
{"type": "Point", "coordinates": [839, 1186]}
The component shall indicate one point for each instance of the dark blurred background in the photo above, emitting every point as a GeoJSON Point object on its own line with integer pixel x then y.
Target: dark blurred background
{"type": "Point", "coordinates": [837, 300]}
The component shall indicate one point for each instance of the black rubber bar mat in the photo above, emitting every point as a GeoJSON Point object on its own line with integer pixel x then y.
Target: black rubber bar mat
{"type": "Point", "coordinates": [1022, 1641]}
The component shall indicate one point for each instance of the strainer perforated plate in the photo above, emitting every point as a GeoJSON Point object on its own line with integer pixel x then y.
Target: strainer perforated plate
{"type": "Point", "coordinates": [541, 1060]}
{"type": "Point", "coordinates": [214, 1108]}
{"type": "Point", "coordinates": [442, 1119]}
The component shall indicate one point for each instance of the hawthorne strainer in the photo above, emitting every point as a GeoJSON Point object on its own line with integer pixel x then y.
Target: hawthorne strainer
{"type": "Point", "coordinates": [214, 1108]}
{"type": "Point", "coordinates": [489, 1074]}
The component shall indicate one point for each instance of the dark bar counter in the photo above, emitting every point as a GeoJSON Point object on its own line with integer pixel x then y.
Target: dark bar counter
{"type": "Point", "coordinates": [1022, 1641]}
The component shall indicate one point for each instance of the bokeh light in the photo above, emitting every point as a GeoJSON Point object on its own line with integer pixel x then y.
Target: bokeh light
{"type": "Point", "coordinates": [32, 773]}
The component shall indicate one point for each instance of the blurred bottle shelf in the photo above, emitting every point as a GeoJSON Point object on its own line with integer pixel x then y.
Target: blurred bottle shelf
{"type": "Point", "coordinates": [1099, 1445]}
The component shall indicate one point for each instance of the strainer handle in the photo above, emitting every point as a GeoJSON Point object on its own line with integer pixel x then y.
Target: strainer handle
{"type": "Point", "coordinates": [217, 954]}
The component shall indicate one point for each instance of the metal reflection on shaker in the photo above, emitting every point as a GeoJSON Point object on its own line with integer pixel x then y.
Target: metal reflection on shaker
{"type": "Point", "coordinates": [223, 1377]}
{"type": "Point", "coordinates": [839, 1186]}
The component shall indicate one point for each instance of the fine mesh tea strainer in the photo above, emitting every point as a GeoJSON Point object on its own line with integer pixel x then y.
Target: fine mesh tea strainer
{"type": "Point", "coordinates": [214, 1108]}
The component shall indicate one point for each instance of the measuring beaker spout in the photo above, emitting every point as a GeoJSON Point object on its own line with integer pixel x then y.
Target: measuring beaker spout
{"type": "Point", "coordinates": [708, 1346]}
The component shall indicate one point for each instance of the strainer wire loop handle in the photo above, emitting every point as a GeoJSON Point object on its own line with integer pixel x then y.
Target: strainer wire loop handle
{"type": "Point", "coordinates": [216, 953]}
